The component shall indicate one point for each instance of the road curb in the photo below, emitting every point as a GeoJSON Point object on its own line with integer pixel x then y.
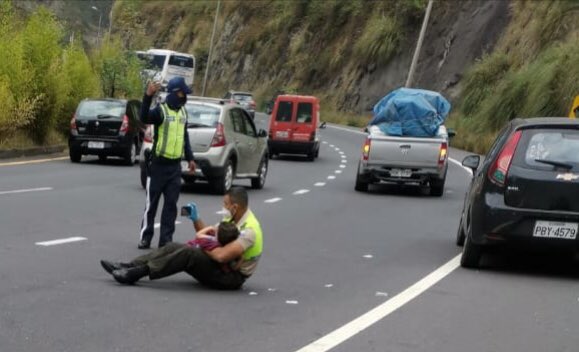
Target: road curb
{"type": "Point", "coordinates": [18, 153]}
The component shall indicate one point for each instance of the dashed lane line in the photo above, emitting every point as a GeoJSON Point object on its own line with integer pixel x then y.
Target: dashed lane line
{"type": "Point", "coordinates": [272, 200]}
{"type": "Point", "coordinates": [60, 241]}
{"type": "Point", "coordinates": [27, 190]}
{"type": "Point", "coordinates": [301, 191]}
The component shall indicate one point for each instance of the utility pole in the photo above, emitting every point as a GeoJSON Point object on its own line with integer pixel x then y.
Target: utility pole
{"type": "Point", "coordinates": [100, 19]}
{"type": "Point", "coordinates": [419, 45]}
{"type": "Point", "coordinates": [110, 21]}
{"type": "Point", "coordinates": [210, 49]}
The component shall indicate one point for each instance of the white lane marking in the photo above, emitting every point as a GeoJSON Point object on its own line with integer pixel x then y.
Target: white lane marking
{"type": "Point", "coordinates": [343, 156]}
{"type": "Point", "coordinates": [368, 256]}
{"type": "Point", "coordinates": [319, 184]}
{"type": "Point", "coordinates": [331, 177]}
{"type": "Point", "coordinates": [301, 191]}
{"type": "Point", "coordinates": [27, 190]}
{"type": "Point", "coordinates": [460, 164]}
{"type": "Point", "coordinates": [338, 171]}
{"type": "Point", "coordinates": [331, 146]}
{"type": "Point", "coordinates": [157, 225]}
{"type": "Point", "coordinates": [32, 161]}
{"type": "Point", "coordinates": [344, 161]}
{"type": "Point", "coordinates": [253, 293]}
{"type": "Point", "coordinates": [325, 142]}
{"type": "Point", "coordinates": [60, 241]}
{"type": "Point", "coordinates": [341, 153]}
{"type": "Point", "coordinates": [364, 133]}
{"type": "Point", "coordinates": [291, 302]}
{"type": "Point", "coordinates": [329, 285]}
{"type": "Point", "coordinates": [342, 166]}
{"type": "Point", "coordinates": [337, 149]}
{"type": "Point", "coordinates": [272, 200]}
{"type": "Point", "coordinates": [381, 294]}
{"type": "Point", "coordinates": [357, 325]}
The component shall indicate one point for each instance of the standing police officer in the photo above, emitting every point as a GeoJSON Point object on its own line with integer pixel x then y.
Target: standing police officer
{"type": "Point", "coordinates": [170, 141]}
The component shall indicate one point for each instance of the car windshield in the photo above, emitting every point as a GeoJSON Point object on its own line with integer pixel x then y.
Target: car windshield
{"type": "Point", "coordinates": [93, 108]}
{"type": "Point", "coordinates": [202, 115]}
{"type": "Point", "coordinates": [554, 146]}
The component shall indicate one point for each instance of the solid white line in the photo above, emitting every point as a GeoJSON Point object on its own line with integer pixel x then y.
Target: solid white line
{"type": "Point", "coordinates": [32, 161]}
{"type": "Point", "coordinates": [357, 325]}
{"type": "Point", "coordinates": [272, 200]}
{"type": "Point", "coordinates": [27, 190]}
{"type": "Point", "coordinates": [60, 241]}
{"type": "Point", "coordinates": [301, 191]}
{"type": "Point", "coordinates": [460, 164]}
{"type": "Point", "coordinates": [157, 225]}
{"type": "Point", "coordinates": [319, 184]}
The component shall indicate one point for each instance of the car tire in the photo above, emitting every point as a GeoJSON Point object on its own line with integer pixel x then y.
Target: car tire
{"type": "Point", "coordinates": [471, 254]}
{"type": "Point", "coordinates": [361, 186]}
{"type": "Point", "coordinates": [460, 235]}
{"type": "Point", "coordinates": [75, 155]}
{"type": "Point", "coordinates": [437, 187]}
{"type": "Point", "coordinates": [259, 181]}
{"type": "Point", "coordinates": [130, 155]}
{"type": "Point", "coordinates": [223, 184]}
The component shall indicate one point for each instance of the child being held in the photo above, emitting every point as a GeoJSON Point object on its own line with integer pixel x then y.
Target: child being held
{"type": "Point", "coordinates": [208, 239]}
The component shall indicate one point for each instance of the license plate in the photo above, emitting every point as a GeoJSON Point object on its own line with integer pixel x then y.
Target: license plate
{"type": "Point", "coordinates": [553, 229]}
{"type": "Point", "coordinates": [400, 172]}
{"type": "Point", "coordinates": [96, 145]}
{"type": "Point", "coordinates": [281, 134]}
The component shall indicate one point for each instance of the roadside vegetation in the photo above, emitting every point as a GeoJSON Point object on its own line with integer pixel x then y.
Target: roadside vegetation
{"type": "Point", "coordinates": [44, 75]}
{"type": "Point", "coordinates": [532, 73]}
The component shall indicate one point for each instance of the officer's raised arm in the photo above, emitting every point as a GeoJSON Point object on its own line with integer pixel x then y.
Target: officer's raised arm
{"type": "Point", "coordinates": [149, 116]}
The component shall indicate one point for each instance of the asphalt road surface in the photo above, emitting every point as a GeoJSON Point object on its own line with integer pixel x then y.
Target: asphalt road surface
{"type": "Point", "coordinates": [341, 270]}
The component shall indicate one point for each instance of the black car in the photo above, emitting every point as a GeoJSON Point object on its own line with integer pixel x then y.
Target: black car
{"type": "Point", "coordinates": [106, 127]}
{"type": "Point", "coordinates": [526, 193]}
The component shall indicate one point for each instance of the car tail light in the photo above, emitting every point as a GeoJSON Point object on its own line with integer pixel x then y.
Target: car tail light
{"type": "Point", "coordinates": [442, 154]}
{"type": "Point", "coordinates": [500, 167]}
{"type": "Point", "coordinates": [219, 137]}
{"type": "Point", "coordinates": [124, 126]}
{"type": "Point", "coordinates": [73, 129]}
{"type": "Point", "coordinates": [148, 138]}
{"type": "Point", "coordinates": [366, 150]}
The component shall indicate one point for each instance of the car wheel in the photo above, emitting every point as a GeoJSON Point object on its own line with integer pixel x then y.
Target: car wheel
{"type": "Point", "coordinates": [130, 156]}
{"type": "Point", "coordinates": [75, 155]}
{"type": "Point", "coordinates": [460, 235]}
{"type": "Point", "coordinates": [471, 254]}
{"type": "Point", "coordinates": [144, 177]}
{"type": "Point", "coordinates": [437, 187]}
{"type": "Point", "coordinates": [361, 186]}
{"type": "Point", "coordinates": [223, 183]}
{"type": "Point", "coordinates": [259, 181]}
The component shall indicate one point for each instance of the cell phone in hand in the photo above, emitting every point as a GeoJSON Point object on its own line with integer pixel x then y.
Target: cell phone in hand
{"type": "Point", "coordinates": [185, 211]}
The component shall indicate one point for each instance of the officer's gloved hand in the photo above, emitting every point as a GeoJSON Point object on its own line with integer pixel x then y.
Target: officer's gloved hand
{"type": "Point", "coordinates": [194, 214]}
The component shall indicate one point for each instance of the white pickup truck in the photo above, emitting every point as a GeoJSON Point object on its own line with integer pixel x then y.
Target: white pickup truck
{"type": "Point", "coordinates": [402, 160]}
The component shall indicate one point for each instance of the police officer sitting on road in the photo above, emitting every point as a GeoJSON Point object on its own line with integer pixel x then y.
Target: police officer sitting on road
{"type": "Point", "coordinates": [241, 255]}
{"type": "Point", "coordinates": [171, 140]}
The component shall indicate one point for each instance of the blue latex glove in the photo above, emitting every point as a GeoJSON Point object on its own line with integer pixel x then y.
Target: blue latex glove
{"type": "Point", "coordinates": [193, 210]}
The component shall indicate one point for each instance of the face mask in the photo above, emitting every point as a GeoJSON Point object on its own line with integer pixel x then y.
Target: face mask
{"type": "Point", "coordinates": [226, 213]}
{"type": "Point", "coordinates": [175, 102]}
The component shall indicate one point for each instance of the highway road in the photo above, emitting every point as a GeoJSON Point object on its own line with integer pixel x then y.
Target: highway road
{"type": "Point", "coordinates": [341, 270]}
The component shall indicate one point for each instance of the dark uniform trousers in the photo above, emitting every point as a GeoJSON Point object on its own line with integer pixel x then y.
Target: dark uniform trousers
{"type": "Point", "coordinates": [164, 179]}
{"type": "Point", "coordinates": [174, 258]}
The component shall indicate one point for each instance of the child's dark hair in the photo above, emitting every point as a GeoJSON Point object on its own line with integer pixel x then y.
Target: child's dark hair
{"type": "Point", "coordinates": [227, 232]}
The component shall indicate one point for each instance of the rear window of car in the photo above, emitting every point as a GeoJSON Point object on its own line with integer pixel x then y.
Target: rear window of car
{"type": "Point", "coordinates": [100, 108]}
{"type": "Point", "coordinates": [202, 115]}
{"type": "Point", "coordinates": [242, 97]}
{"type": "Point", "coordinates": [284, 111]}
{"type": "Point", "coordinates": [181, 61]}
{"type": "Point", "coordinates": [555, 145]}
{"type": "Point", "coordinates": [304, 113]}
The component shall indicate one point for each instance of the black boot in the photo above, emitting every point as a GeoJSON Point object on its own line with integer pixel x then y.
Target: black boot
{"type": "Point", "coordinates": [144, 244]}
{"type": "Point", "coordinates": [129, 276]}
{"type": "Point", "coordinates": [112, 266]}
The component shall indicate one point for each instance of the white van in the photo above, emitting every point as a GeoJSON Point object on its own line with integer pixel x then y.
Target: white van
{"type": "Point", "coordinates": [162, 65]}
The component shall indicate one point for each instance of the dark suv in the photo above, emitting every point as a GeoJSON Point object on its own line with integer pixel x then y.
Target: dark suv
{"type": "Point", "coordinates": [527, 190]}
{"type": "Point", "coordinates": [106, 127]}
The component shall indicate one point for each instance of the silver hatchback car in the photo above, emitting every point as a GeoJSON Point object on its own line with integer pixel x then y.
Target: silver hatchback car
{"type": "Point", "coordinates": [225, 143]}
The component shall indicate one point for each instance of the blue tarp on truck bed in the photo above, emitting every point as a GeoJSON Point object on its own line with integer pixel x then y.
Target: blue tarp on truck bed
{"type": "Point", "coordinates": [411, 112]}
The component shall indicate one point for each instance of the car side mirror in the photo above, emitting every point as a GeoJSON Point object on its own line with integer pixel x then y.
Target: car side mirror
{"type": "Point", "coordinates": [451, 133]}
{"type": "Point", "coordinates": [472, 162]}
{"type": "Point", "coordinates": [262, 133]}
{"type": "Point", "coordinates": [323, 125]}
